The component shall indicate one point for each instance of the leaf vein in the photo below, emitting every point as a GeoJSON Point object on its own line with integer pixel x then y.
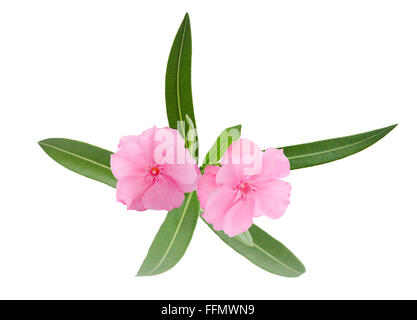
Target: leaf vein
{"type": "Point", "coordinates": [275, 259]}
{"type": "Point", "coordinates": [178, 84]}
{"type": "Point", "coordinates": [335, 149]}
{"type": "Point", "coordinates": [171, 243]}
{"type": "Point", "coordinates": [77, 156]}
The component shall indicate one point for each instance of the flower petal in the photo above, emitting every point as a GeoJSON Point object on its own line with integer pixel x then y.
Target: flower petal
{"type": "Point", "coordinates": [271, 198]}
{"type": "Point", "coordinates": [164, 194]}
{"type": "Point", "coordinates": [170, 148]}
{"type": "Point", "coordinates": [184, 175]}
{"type": "Point", "coordinates": [242, 160]}
{"type": "Point", "coordinates": [230, 175]}
{"type": "Point", "coordinates": [218, 202]}
{"type": "Point", "coordinates": [131, 149]}
{"type": "Point", "coordinates": [129, 191]}
{"type": "Point", "coordinates": [127, 139]}
{"type": "Point", "coordinates": [206, 184]}
{"type": "Point", "coordinates": [239, 217]}
{"type": "Point", "coordinates": [146, 142]}
{"type": "Point", "coordinates": [122, 167]}
{"type": "Point", "coordinates": [275, 165]}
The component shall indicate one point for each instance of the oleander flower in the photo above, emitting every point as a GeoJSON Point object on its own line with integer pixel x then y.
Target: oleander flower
{"type": "Point", "coordinates": [247, 185]}
{"type": "Point", "coordinates": [153, 170]}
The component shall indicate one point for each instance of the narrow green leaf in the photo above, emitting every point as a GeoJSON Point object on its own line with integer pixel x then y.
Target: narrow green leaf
{"type": "Point", "coordinates": [173, 238]}
{"type": "Point", "coordinates": [85, 159]}
{"type": "Point", "coordinates": [319, 152]}
{"type": "Point", "coordinates": [223, 142]}
{"type": "Point", "coordinates": [178, 94]}
{"type": "Point", "coordinates": [266, 252]}
{"type": "Point", "coordinates": [245, 238]}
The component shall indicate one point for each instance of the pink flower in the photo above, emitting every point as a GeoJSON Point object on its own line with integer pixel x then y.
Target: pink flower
{"type": "Point", "coordinates": [153, 170]}
{"type": "Point", "coordinates": [247, 185]}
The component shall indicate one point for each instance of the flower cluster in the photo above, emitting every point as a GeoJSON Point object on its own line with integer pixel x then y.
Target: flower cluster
{"type": "Point", "coordinates": [154, 170]}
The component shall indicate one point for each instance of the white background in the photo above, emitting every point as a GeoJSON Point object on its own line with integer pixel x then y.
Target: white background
{"type": "Point", "coordinates": [288, 71]}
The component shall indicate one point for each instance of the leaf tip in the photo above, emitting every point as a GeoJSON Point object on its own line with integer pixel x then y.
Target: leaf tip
{"type": "Point", "coordinates": [46, 141]}
{"type": "Point", "coordinates": [141, 273]}
{"type": "Point", "coordinates": [301, 269]}
{"type": "Point", "coordinates": [186, 19]}
{"type": "Point", "coordinates": [237, 127]}
{"type": "Point", "coordinates": [390, 128]}
{"type": "Point", "coordinates": [42, 144]}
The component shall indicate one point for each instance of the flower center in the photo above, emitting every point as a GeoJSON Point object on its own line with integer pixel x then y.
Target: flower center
{"type": "Point", "coordinates": [154, 171]}
{"type": "Point", "coordinates": [245, 187]}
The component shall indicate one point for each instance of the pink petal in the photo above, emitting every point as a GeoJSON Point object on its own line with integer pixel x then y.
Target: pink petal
{"type": "Point", "coordinates": [170, 148]}
{"type": "Point", "coordinates": [218, 202]}
{"type": "Point", "coordinates": [184, 175]}
{"type": "Point", "coordinates": [132, 151]}
{"type": "Point", "coordinates": [129, 191]}
{"type": "Point", "coordinates": [230, 175]}
{"type": "Point", "coordinates": [275, 165]}
{"type": "Point", "coordinates": [164, 194]}
{"type": "Point", "coordinates": [271, 198]}
{"type": "Point", "coordinates": [138, 149]}
{"type": "Point", "coordinates": [207, 184]}
{"type": "Point", "coordinates": [146, 142]}
{"type": "Point", "coordinates": [127, 139]}
{"type": "Point", "coordinates": [241, 151]}
{"type": "Point", "coordinates": [175, 159]}
{"type": "Point", "coordinates": [239, 217]}
{"type": "Point", "coordinates": [242, 160]}
{"type": "Point", "coordinates": [211, 170]}
{"type": "Point", "coordinates": [123, 167]}
{"type": "Point", "coordinates": [192, 187]}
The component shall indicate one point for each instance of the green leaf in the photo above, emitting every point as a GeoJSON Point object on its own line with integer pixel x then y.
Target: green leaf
{"type": "Point", "coordinates": [178, 95]}
{"type": "Point", "coordinates": [245, 238]}
{"type": "Point", "coordinates": [173, 238]}
{"type": "Point", "coordinates": [85, 159]}
{"type": "Point", "coordinates": [223, 142]}
{"type": "Point", "coordinates": [192, 141]}
{"type": "Point", "coordinates": [266, 252]}
{"type": "Point", "coordinates": [319, 152]}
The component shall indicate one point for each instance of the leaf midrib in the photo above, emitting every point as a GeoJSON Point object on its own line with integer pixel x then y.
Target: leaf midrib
{"type": "Point", "coordinates": [174, 236]}
{"type": "Point", "coordinates": [275, 259]}
{"type": "Point", "coordinates": [335, 149]}
{"type": "Point", "coordinates": [76, 155]}
{"type": "Point", "coordinates": [218, 153]}
{"type": "Point", "coordinates": [178, 83]}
